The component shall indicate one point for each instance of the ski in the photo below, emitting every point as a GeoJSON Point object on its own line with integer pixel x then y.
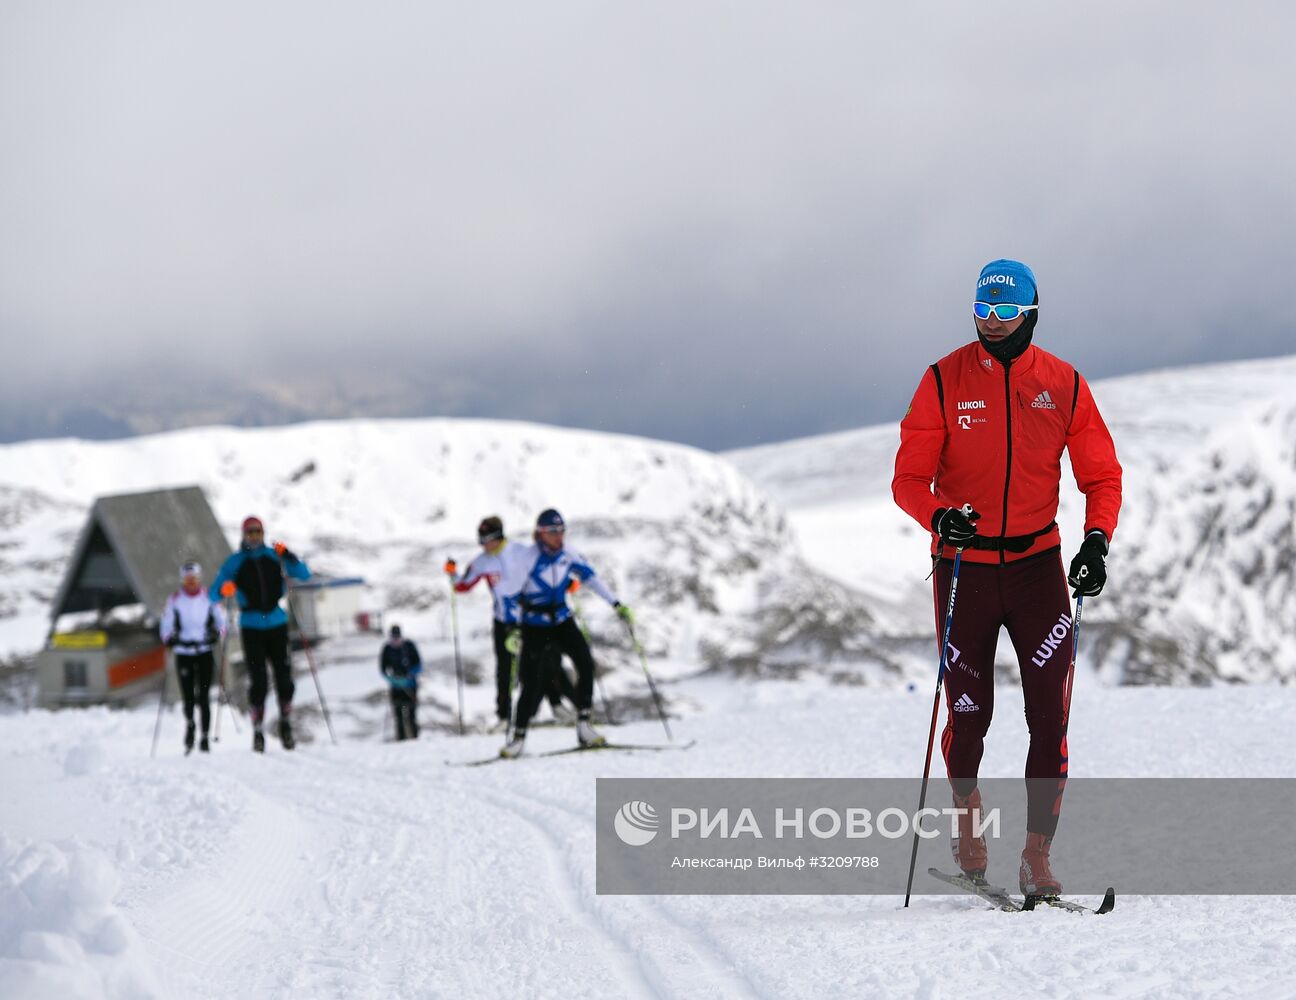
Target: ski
{"type": "Point", "coordinates": [618, 746]}
{"type": "Point", "coordinates": [994, 895]}
{"type": "Point", "coordinates": [569, 750]}
{"type": "Point", "coordinates": [1106, 906]}
{"type": "Point", "coordinates": [1002, 900]}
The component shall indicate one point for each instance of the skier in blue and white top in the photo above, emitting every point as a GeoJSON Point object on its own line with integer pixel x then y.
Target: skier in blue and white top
{"type": "Point", "coordinates": [547, 624]}
{"type": "Point", "coordinates": [504, 572]}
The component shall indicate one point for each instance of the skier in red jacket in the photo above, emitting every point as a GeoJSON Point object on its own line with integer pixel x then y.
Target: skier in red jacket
{"type": "Point", "coordinates": [987, 427]}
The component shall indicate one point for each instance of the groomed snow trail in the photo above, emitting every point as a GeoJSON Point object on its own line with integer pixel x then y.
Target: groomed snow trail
{"type": "Point", "coordinates": [371, 870]}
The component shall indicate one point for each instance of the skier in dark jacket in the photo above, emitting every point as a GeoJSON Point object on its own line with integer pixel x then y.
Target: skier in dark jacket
{"type": "Point", "coordinates": [987, 427]}
{"type": "Point", "coordinates": [258, 574]}
{"type": "Point", "coordinates": [401, 666]}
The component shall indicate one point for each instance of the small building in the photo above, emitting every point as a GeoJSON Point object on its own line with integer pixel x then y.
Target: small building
{"type": "Point", "coordinates": [103, 644]}
{"type": "Point", "coordinates": [327, 607]}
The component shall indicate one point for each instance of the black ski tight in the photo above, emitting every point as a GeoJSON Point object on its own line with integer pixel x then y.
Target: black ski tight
{"type": "Point", "coordinates": [260, 644]}
{"type": "Point", "coordinates": [557, 684]}
{"type": "Point", "coordinates": [540, 645]}
{"type": "Point", "coordinates": [405, 712]}
{"type": "Point", "coordinates": [195, 672]}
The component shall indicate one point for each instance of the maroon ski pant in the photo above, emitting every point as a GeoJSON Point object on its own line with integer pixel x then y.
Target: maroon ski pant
{"type": "Point", "coordinates": [1029, 598]}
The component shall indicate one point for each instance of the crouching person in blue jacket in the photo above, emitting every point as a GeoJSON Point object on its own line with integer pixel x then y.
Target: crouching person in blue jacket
{"type": "Point", "coordinates": [400, 665]}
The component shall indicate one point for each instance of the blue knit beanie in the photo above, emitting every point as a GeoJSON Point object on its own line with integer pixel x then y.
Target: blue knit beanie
{"type": "Point", "coordinates": [1006, 281]}
{"type": "Point", "coordinates": [550, 519]}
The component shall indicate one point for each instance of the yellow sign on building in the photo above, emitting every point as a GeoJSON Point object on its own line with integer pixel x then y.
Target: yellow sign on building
{"type": "Point", "coordinates": [79, 640]}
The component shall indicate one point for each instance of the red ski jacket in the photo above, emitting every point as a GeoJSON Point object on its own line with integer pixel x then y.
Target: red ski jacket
{"type": "Point", "coordinates": [981, 433]}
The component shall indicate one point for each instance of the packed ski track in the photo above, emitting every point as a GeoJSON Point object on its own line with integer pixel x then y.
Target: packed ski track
{"type": "Point", "coordinates": [371, 869]}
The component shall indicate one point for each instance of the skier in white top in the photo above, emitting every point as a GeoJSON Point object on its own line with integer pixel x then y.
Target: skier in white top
{"type": "Point", "coordinates": [192, 623]}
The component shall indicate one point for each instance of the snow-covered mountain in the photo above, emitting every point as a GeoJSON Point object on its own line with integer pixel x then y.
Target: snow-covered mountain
{"type": "Point", "coordinates": [1201, 570]}
{"type": "Point", "coordinates": [704, 557]}
{"type": "Point", "coordinates": [767, 561]}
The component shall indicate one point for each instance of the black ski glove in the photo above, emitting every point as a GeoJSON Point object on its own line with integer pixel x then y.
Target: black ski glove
{"type": "Point", "coordinates": [1089, 568]}
{"type": "Point", "coordinates": [173, 640]}
{"type": "Point", "coordinates": [954, 526]}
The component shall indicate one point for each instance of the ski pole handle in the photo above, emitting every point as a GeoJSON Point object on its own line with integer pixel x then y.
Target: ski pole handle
{"type": "Point", "coordinates": [967, 511]}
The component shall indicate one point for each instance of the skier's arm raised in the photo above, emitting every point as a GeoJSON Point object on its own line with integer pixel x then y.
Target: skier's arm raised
{"type": "Point", "coordinates": [484, 567]}
{"type": "Point", "coordinates": [292, 565]}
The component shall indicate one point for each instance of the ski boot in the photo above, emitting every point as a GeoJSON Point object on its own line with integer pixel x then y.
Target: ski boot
{"type": "Point", "coordinates": [1036, 877]}
{"type": "Point", "coordinates": [513, 748]}
{"type": "Point", "coordinates": [286, 734]}
{"type": "Point", "coordinates": [258, 741]}
{"type": "Point", "coordinates": [202, 745]}
{"type": "Point", "coordinates": [588, 736]}
{"type": "Point", "coordinates": [969, 851]}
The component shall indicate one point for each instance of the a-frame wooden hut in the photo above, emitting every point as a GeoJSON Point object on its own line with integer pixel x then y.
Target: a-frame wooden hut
{"type": "Point", "coordinates": [103, 643]}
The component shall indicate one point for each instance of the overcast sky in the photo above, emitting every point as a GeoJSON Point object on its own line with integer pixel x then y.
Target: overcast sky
{"type": "Point", "coordinates": [721, 223]}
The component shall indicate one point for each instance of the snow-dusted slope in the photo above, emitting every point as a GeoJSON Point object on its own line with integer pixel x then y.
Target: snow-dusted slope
{"type": "Point", "coordinates": [680, 534]}
{"type": "Point", "coordinates": [1201, 572]}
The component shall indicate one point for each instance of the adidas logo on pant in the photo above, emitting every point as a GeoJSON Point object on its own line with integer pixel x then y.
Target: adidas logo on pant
{"type": "Point", "coordinates": [1044, 402]}
{"type": "Point", "coordinates": [966, 704]}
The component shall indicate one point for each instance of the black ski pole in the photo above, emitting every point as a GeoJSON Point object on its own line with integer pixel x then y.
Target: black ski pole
{"type": "Point", "coordinates": [454, 624]}
{"type": "Point", "coordinates": [931, 735]}
{"type": "Point", "coordinates": [157, 726]}
{"type": "Point", "coordinates": [513, 682]}
{"type": "Point", "coordinates": [306, 647]}
{"type": "Point", "coordinates": [643, 661]}
{"type": "Point", "coordinates": [1075, 650]}
{"type": "Point", "coordinates": [310, 661]}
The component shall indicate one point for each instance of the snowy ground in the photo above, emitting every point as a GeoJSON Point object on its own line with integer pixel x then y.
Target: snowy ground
{"type": "Point", "coordinates": [371, 869]}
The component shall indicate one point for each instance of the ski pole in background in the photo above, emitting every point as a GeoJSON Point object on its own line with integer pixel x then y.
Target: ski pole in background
{"type": "Point", "coordinates": [280, 548]}
{"type": "Point", "coordinates": [227, 592]}
{"type": "Point", "coordinates": [157, 726]}
{"type": "Point", "coordinates": [513, 643]}
{"type": "Point", "coordinates": [940, 676]}
{"type": "Point", "coordinates": [573, 588]}
{"type": "Point", "coordinates": [643, 661]}
{"type": "Point", "coordinates": [454, 625]}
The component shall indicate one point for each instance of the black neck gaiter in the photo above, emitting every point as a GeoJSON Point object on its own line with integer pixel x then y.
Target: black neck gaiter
{"type": "Point", "coordinates": [1012, 347]}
